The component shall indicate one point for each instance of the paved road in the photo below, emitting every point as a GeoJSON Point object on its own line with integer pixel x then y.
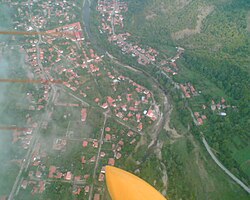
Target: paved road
{"type": "Point", "coordinates": [44, 117]}
{"type": "Point", "coordinates": [98, 154]}
{"type": "Point", "coordinates": [238, 181]}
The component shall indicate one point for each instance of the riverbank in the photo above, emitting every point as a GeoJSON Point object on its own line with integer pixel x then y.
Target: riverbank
{"type": "Point", "coordinates": [183, 156]}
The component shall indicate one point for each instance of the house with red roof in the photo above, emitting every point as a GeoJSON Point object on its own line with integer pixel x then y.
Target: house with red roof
{"type": "Point", "coordinates": [105, 105]}
{"type": "Point", "coordinates": [140, 126]}
{"type": "Point", "coordinates": [121, 143]}
{"type": "Point", "coordinates": [77, 178]}
{"type": "Point", "coordinates": [83, 160]}
{"type": "Point", "coordinates": [111, 101]}
{"type": "Point", "coordinates": [86, 176]}
{"type": "Point", "coordinates": [52, 170]}
{"type": "Point", "coordinates": [38, 174]}
{"type": "Point", "coordinates": [84, 114]}
{"type": "Point", "coordinates": [102, 154]}
{"type": "Point", "coordinates": [24, 184]}
{"type": "Point", "coordinates": [95, 144]}
{"type": "Point", "coordinates": [97, 197]}
{"type": "Point", "coordinates": [111, 161]}
{"type": "Point", "coordinates": [86, 189]}
{"type": "Point", "coordinates": [41, 186]}
{"type": "Point", "coordinates": [77, 191]}
{"type": "Point", "coordinates": [130, 133]}
{"type": "Point", "coordinates": [107, 137]}
{"type": "Point", "coordinates": [196, 114]}
{"type": "Point", "coordinates": [85, 143]}
{"type": "Point", "coordinates": [151, 114]}
{"type": "Point", "coordinates": [107, 129]}
{"type": "Point", "coordinates": [92, 159]}
{"type": "Point", "coordinates": [59, 175]}
{"type": "Point", "coordinates": [200, 121]}
{"type": "Point", "coordinates": [101, 177]}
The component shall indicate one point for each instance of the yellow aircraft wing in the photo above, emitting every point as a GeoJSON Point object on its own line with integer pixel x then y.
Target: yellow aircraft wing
{"type": "Point", "coordinates": [123, 185]}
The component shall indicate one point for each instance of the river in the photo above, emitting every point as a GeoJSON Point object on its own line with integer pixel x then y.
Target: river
{"type": "Point", "coordinates": [86, 22]}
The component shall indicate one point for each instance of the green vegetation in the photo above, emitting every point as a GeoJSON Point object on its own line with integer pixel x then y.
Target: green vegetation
{"type": "Point", "coordinates": [192, 174]}
{"type": "Point", "coordinates": [58, 190]}
{"type": "Point", "coordinates": [215, 35]}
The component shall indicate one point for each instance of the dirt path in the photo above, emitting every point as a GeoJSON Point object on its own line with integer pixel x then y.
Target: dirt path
{"type": "Point", "coordinates": [98, 154]}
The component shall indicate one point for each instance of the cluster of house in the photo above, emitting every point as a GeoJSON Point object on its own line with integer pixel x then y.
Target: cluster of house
{"type": "Point", "coordinates": [200, 118]}
{"type": "Point", "coordinates": [45, 13]}
{"type": "Point", "coordinates": [111, 12]}
{"type": "Point", "coordinates": [85, 60]}
{"type": "Point", "coordinates": [188, 90]}
{"type": "Point", "coordinates": [37, 186]}
{"type": "Point", "coordinates": [116, 142]}
{"type": "Point", "coordinates": [170, 66]}
{"type": "Point", "coordinates": [53, 61]}
{"type": "Point", "coordinates": [24, 135]}
{"type": "Point", "coordinates": [112, 17]}
{"type": "Point", "coordinates": [220, 106]}
{"type": "Point", "coordinates": [133, 105]}
{"type": "Point", "coordinates": [35, 177]}
{"type": "Point", "coordinates": [69, 31]}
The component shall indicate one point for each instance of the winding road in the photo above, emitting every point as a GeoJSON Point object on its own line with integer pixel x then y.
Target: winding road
{"type": "Point", "coordinates": [238, 181]}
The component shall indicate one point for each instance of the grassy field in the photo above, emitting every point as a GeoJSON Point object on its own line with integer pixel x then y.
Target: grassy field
{"type": "Point", "coordinates": [193, 175]}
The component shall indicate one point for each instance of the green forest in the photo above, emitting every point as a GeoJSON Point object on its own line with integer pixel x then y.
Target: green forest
{"type": "Point", "coordinates": [220, 53]}
{"type": "Point", "coordinates": [216, 37]}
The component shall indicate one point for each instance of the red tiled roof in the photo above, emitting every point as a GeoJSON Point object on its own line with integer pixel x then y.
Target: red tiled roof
{"type": "Point", "coordinates": [84, 114]}
{"type": "Point", "coordinates": [85, 143]}
{"type": "Point", "coordinates": [52, 170]}
{"type": "Point", "coordinates": [83, 160]}
{"type": "Point", "coordinates": [92, 159]}
{"type": "Point", "coordinates": [101, 177]}
{"type": "Point", "coordinates": [105, 105]}
{"type": "Point", "coordinates": [108, 137]}
{"type": "Point", "coordinates": [95, 144]}
{"type": "Point", "coordinates": [111, 161]}
{"type": "Point", "coordinates": [140, 126]}
{"type": "Point", "coordinates": [200, 121]}
{"type": "Point", "coordinates": [107, 129]}
{"type": "Point", "coordinates": [121, 143]}
{"type": "Point", "coordinates": [86, 188]}
{"type": "Point", "coordinates": [97, 197]}
{"type": "Point", "coordinates": [86, 176]}
{"type": "Point", "coordinates": [77, 178]}
{"type": "Point", "coordinates": [42, 186]}
{"type": "Point", "coordinates": [97, 100]}
{"type": "Point", "coordinates": [204, 117]}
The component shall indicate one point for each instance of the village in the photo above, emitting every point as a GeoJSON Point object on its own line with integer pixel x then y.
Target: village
{"type": "Point", "coordinates": [112, 24]}
{"type": "Point", "coordinates": [88, 90]}
{"type": "Point", "coordinates": [94, 115]}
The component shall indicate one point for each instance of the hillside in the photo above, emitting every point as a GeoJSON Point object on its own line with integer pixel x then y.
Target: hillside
{"type": "Point", "coordinates": [216, 38]}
